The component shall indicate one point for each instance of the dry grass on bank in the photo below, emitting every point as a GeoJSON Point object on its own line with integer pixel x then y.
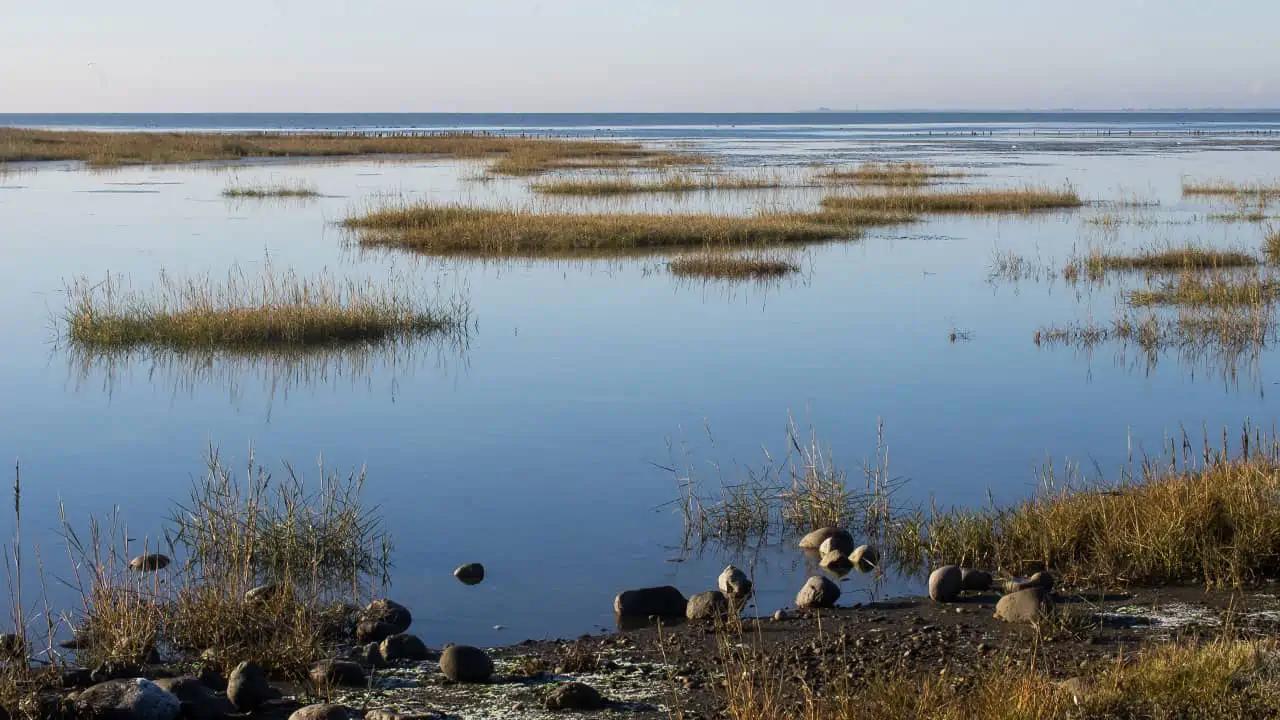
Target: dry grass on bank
{"type": "Point", "coordinates": [457, 229]}
{"type": "Point", "coordinates": [514, 155]}
{"type": "Point", "coordinates": [1193, 288]}
{"type": "Point", "coordinates": [721, 266]}
{"type": "Point", "coordinates": [269, 310]}
{"type": "Point", "coordinates": [681, 183]}
{"type": "Point", "coordinates": [963, 201]}
{"type": "Point", "coordinates": [890, 174]}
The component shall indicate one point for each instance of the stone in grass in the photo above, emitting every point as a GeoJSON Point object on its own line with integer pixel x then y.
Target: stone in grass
{"type": "Point", "coordinates": [466, 664]}
{"type": "Point", "coordinates": [403, 646]}
{"type": "Point", "coordinates": [708, 607]}
{"type": "Point", "coordinates": [470, 574]}
{"type": "Point", "coordinates": [1024, 606]}
{"type": "Point", "coordinates": [247, 688]}
{"type": "Point", "coordinates": [330, 673]}
{"type": "Point", "coordinates": [818, 592]}
{"type": "Point", "coordinates": [197, 700]}
{"type": "Point", "coordinates": [814, 540]}
{"type": "Point", "coordinates": [149, 562]}
{"type": "Point", "coordinates": [325, 712]}
{"type": "Point", "coordinates": [575, 696]}
{"type": "Point", "coordinates": [664, 601]}
{"type": "Point", "coordinates": [132, 699]}
{"type": "Point", "coordinates": [975, 580]}
{"type": "Point", "coordinates": [388, 612]}
{"type": "Point", "coordinates": [945, 584]}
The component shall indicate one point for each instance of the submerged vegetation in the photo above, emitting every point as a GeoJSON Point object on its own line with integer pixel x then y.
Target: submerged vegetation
{"type": "Point", "coordinates": [663, 184]}
{"type": "Point", "coordinates": [731, 267]}
{"type": "Point", "coordinates": [890, 174]}
{"type": "Point", "coordinates": [269, 310]}
{"type": "Point", "coordinates": [973, 201]}
{"type": "Point", "coordinates": [284, 189]}
{"type": "Point", "coordinates": [514, 155]}
{"type": "Point", "coordinates": [458, 229]}
{"type": "Point", "coordinates": [1230, 189]}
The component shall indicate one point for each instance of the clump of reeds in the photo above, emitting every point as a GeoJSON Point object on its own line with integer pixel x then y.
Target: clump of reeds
{"type": "Point", "coordinates": [1228, 188]}
{"type": "Point", "coordinates": [1271, 245]}
{"type": "Point", "coordinates": [284, 189]}
{"type": "Point", "coordinates": [1170, 259]}
{"type": "Point", "coordinates": [890, 174]}
{"type": "Point", "coordinates": [271, 309]}
{"type": "Point", "coordinates": [1217, 523]}
{"type": "Point", "coordinates": [678, 183]}
{"type": "Point", "coordinates": [722, 266]}
{"type": "Point", "coordinates": [1192, 288]}
{"type": "Point", "coordinates": [962, 201]}
{"type": "Point", "coordinates": [450, 229]}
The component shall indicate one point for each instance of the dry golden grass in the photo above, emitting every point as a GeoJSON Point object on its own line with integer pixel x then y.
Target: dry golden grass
{"type": "Point", "coordinates": [514, 155]}
{"type": "Point", "coordinates": [1169, 259]}
{"type": "Point", "coordinates": [1271, 245]}
{"type": "Point", "coordinates": [270, 310]}
{"type": "Point", "coordinates": [1218, 524]}
{"type": "Point", "coordinates": [457, 229]}
{"type": "Point", "coordinates": [282, 189]}
{"type": "Point", "coordinates": [963, 201]}
{"type": "Point", "coordinates": [1192, 288]}
{"type": "Point", "coordinates": [890, 174]}
{"type": "Point", "coordinates": [1228, 188]}
{"type": "Point", "coordinates": [672, 184]}
{"type": "Point", "coordinates": [731, 267]}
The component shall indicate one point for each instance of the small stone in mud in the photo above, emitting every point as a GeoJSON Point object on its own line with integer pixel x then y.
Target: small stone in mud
{"type": "Point", "coordinates": [247, 688]}
{"type": "Point", "coordinates": [975, 580]}
{"type": "Point", "coordinates": [575, 696]}
{"type": "Point", "coordinates": [149, 562]}
{"type": "Point", "coordinates": [865, 558]}
{"type": "Point", "coordinates": [944, 583]}
{"type": "Point", "coordinates": [466, 664]}
{"type": "Point", "coordinates": [707, 607]}
{"type": "Point", "coordinates": [337, 672]}
{"type": "Point", "coordinates": [818, 592]}
{"type": "Point", "coordinates": [324, 712]}
{"type": "Point", "coordinates": [385, 714]}
{"type": "Point", "coordinates": [814, 540]}
{"type": "Point", "coordinates": [403, 646]}
{"type": "Point", "coordinates": [734, 583]}
{"type": "Point", "coordinates": [470, 574]}
{"type": "Point", "coordinates": [664, 601]}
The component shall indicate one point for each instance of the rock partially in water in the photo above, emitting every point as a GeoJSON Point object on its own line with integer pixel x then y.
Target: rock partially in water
{"type": "Point", "coordinates": [836, 561]}
{"type": "Point", "coordinates": [975, 580]}
{"type": "Point", "coordinates": [149, 562]}
{"type": "Point", "coordinates": [403, 646]}
{"type": "Point", "coordinates": [132, 699]}
{"type": "Point", "coordinates": [664, 601]}
{"type": "Point", "coordinates": [841, 542]}
{"type": "Point", "coordinates": [466, 664]}
{"type": "Point", "coordinates": [865, 558]}
{"type": "Point", "coordinates": [1024, 606]}
{"type": "Point", "coordinates": [945, 583]}
{"type": "Point", "coordinates": [471, 573]}
{"type": "Point", "coordinates": [197, 700]}
{"type": "Point", "coordinates": [814, 540]}
{"type": "Point", "coordinates": [708, 607]}
{"type": "Point", "coordinates": [575, 696]}
{"type": "Point", "coordinates": [325, 712]}
{"type": "Point", "coordinates": [734, 583]}
{"type": "Point", "coordinates": [387, 612]}
{"type": "Point", "coordinates": [329, 673]}
{"type": "Point", "coordinates": [248, 688]}
{"type": "Point", "coordinates": [818, 592]}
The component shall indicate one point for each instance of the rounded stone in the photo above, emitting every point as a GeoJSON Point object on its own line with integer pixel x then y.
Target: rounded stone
{"type": "Point", "coordinates": [841, 542]}
{"type": "Point", "coordinates": [149, 562]}
{"type": "Point", "coordinates": [263, 593]}
{"type": "Point", "coordinates": [975, 580]}
{"type": "Point", "coordinates": [328, 673]}
{"type": "Point", "coordinates": [371, 631]}
{"type": "Point", "coordinates": [575, 696]}
{"type": "Point", "coordinates": [708, 606]}
{"type": "Point", "coordinates": [198, 702]}
{"type": "Point", "coordinates": [1024, 606]}
{"type": "Point", "coordinates": [324, 712]}
{"type": "Point", "coordinates": [403, 646]}
{"type": "Point", "coordinates": [818, 592]}
{"type": "Point", "coordinates": [734, 583]}
{"type": "Point", "coordinates": [836, 561]}
{"type": "Point", "coordinates": [131, 699]}
{"type": "Point", "coordinates": [248, 688]}
{"type": "Point", "coordinates": [864, 558]}
{"type": "Point", "coordinates": [945, 584]}
{"type": "Point", "coordinates": [664, 601]}
{"type": "Point", "coordinates": [387, 612]}
{"type": "Point", "coordinates": [814, 540]}
{"type": "Point", "coordinates": [471, 573]}
{"type": "Point", "coordinates": [466, 664]}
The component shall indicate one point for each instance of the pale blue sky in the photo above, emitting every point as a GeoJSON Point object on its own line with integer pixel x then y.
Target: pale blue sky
{"type": "Point", "coordinates": [648, 55]}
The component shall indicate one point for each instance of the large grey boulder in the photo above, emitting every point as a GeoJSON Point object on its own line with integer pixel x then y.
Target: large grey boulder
{"type": "Point", "coordinates": [814, 540]}
{"type": "Point", "coordinates": [945, 583]}
{"type": "Point", "coordinates": [734, 583]}
{"type": "Point", "coordinates": [466, 664]}
{"type": "Point", "coordinates": [975, 580]}
{"type": "Point", "coordinates": [403, 646]}
{"type": "Point", "coordinates": [197, 700]}
{"type": "Point", "coordinates": [708, 607]}
{"type": "Point", "coordinates": [131, 699]}
{"type": "Point", "coordinates": [387, 612]}
{"type": "Point", "coordinates": [248, 688]}
{"type": "Point", "coordinates": [664, 601]}
{"type": "Point", "coordinates": [818, 592]}
{"type": "Point", "coordinates": [1024, 606]}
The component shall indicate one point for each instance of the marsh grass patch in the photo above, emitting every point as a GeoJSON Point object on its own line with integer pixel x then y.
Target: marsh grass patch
{"type": "Point", "coordinates": [1019, 200]}
{"type": "Point", "coordinates": [725, 266]}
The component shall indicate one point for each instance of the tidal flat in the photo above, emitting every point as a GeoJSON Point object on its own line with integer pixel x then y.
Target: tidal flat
{"type": "Point", "coordinates": [593, 393]}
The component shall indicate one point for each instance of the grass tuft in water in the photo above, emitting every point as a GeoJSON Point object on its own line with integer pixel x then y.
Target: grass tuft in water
{"type": "Point", "coordinates": [964, 201]}
{"type": "Point", "coordinates": [1271, 245]}
{"type": "Point", "coordinates": [284, 189]}
{"type": "Point", "coordinates": [1227, 188]}
{"type": "Point", "coordinates": [680, 183]}
{"type": "Point", "coordinates": [722, 266]}
{"type": "Point", "coordinates": [1170, 259]}
{"type": "Point", "coordinates": [1193, 288]}
{"type": "Point", "coordinates": [268, 310]}
{"type": "Point", "coordinates": [890, 174]}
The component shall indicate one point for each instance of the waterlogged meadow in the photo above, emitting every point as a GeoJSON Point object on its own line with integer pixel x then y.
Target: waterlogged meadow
{"type": "Point", "coordinates": [595, 366]}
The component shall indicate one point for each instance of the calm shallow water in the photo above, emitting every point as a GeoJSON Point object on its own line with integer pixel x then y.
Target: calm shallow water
{"type": "Point", "coordinates": [532, 448]}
